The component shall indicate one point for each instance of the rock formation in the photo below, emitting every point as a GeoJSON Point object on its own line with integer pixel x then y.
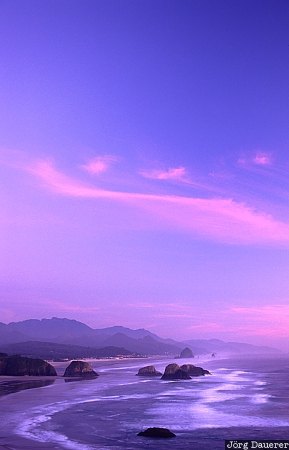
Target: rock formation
{"type": "Point", "coordinates": [148, 371]}
{"type": "Point", "coordinates": [157, 433]}
{"type": "Point", "coordinates": [194, 371]}
{"type": "Point", "coordinates": [186, 353]}
{"type": "Point", "coordinates": [80, 369]}
{"type": "Point", "coordinates": [175, 372]}
{"type": "Point", "coordinates": [20, 365]}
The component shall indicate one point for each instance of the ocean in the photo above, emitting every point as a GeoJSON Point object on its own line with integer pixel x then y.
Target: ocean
{"type": "Point", "coordinates": [244, 398]}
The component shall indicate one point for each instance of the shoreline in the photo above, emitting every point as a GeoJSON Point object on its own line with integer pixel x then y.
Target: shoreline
{"type": "Point", "coordinates": [10, 384]}
{"type": "Point", "coordinates": [13, 384]}
{"type": "Point", "coordinates": [40, 401]}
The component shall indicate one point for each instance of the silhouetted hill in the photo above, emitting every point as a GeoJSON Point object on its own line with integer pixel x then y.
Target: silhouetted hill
{"type": "Point", "coordinates": [73, 333]}
{"type": "Point", "coordinates": [50, 329]}
{"type": "Point", "coordinates": [135, 334]}
{"type": "Point", "coordinates": [145, 345]}
{"type": "Point", "coordinates": [7, 335]}
{"type": "Point", "coordinates": [53, 351]}
{"type": "Point", "coordinates": [219, 346]}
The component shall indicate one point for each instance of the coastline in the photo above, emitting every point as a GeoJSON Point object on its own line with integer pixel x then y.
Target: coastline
{"type": "Point", "coordinates": [51, 394]}
{"type": "Point", "coordinates": [11, 384]}
{"type": "Point", "coordinates": [46, 391]}
{"type": "Point", "coordinates": [14, 384]}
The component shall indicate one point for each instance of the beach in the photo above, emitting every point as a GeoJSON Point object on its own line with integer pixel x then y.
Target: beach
{"type": "Point", "coordinates": [242, 399]}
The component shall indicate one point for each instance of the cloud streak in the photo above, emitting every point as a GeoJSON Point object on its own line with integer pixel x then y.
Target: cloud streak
{"type": "Point", "coordinates": [266, 320]}
{"type": "Point", "coordinates": [263, 159]}
{"type": "Point", "coordinates": [172, 174]}
{"type": "Point", "coordinates": [259, 159]}
{"type": "Point", "coordinates": [217, 218]}
{"type": "Point", "coordinates": [99, 164]}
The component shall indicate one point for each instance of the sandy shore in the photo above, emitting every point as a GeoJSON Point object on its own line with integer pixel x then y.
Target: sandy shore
{"type": "Point", "coordinates": [36, 395]}
{"type": "Point", "coordinates": [22, 394]}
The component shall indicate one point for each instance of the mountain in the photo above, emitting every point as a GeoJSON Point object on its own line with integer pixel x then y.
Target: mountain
{"type": "Point", "coordinates": [219, 346]}
{"type": "Point", "coordinates": [50, 329]}
{"type": "Point", "coordinates": [146, 345]}
{"type": "Point", "coordinates": [135, 334]}
{"type": "Point", "coordinates": [75, 334]}
{"type": "Point", "coordinates": [7, 335]}
{"type": "Point", "coordinates": [53, 351]}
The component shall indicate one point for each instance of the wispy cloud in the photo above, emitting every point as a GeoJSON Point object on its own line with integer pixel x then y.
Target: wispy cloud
{"type": "Point", "coordinates": [264, 320]}
{"type": "Point", "coordinates": [207, 327]}
{"type": "Point", "coordinates": [142, 305]}
{"type": "Point", "coordinates": [218, 218]}
{"type": "Point", "coordinates": [263, 159]}
{"type": "Point", "coordinates": [172, 174]}
{"type": "Point", "coordinates": [258, 159]}
{"type": "Point", "coordinates": [63, 307]}
{"type": "Point", "coordinates": [99, 164]}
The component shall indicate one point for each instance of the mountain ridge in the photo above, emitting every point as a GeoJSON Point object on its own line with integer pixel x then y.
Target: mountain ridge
{"type": "Point", "coordinates": [71, 332]}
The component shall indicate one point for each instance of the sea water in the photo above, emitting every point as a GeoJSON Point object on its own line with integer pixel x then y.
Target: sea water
{"type": "Point", "coordinates": [244, 398]}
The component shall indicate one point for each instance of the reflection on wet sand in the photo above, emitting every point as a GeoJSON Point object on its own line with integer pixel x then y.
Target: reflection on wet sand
{"type": "Point", "coordinates": [11, 386]}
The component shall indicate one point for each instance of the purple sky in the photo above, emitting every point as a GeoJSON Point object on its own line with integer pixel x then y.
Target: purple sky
{"type": "Point", "coordinates": [144, 165]}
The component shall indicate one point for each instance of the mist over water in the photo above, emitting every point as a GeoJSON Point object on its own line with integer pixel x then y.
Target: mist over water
{"type": "Point", "coordinates": [244, 398]}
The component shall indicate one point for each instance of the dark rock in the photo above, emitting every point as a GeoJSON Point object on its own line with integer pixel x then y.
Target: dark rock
{"type": "Point", "coordinates": [20, 365]}
{"type": "Point", "coordinates": [157, 433]}
{"type": "Point", "coordinates": [148, 371]}
{"type": "Point", "coordinates": [186, 353]}
{"type": "Point", "coordinates": [175, 372]}
{"type": "Point", "coordinates": [194, 371]}
{"type": "Point", "coordinates": [80, 369]}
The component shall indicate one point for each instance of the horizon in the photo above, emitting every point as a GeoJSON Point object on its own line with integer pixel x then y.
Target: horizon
{"type": "Point", "coordinates": [144, 166]}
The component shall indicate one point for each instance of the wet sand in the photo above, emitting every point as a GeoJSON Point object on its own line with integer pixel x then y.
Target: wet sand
{"type": "Point", "coordinates": [10, 388]}
{"type": "Point", "coordinates": [19, 395]}
{"type": "Point", "coordinates": [14, 399]}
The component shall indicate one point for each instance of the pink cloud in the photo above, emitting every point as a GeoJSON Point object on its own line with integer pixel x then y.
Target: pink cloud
{"type": "Point", "coordinates": [267, 320]}
{"type": "Point", "coordinates": [208, 327]}
{"type": "Point", "coordinates": [141, 305]}
{"type": "Point", "coordinates": [263, 312]}
{"type": "Point", "coordinates": [175, 174]}
{"type": "Point", "coordinates": [65, 307]}
{"type": "Point", "coordinates": [259, 159]}
{"type": "Point", "coordinates": [99, 164]}
{"type": "Point", "coordinates": [222, 219]}
{"type": "Point", "coordinates": [173, 316]}
{"type": "Point", "coordinates": [262, 159]}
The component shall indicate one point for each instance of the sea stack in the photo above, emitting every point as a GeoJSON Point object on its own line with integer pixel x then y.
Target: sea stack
{"type": "Point", "coordinates": [148, 371]}
{"type": "Point", "coordinates": [157, 433]}
{"type": "Point", "coordinates": [80, 369]}
{"type": "Point", "coordinates": [194, 371]}
{"type": "Point", "coordinates": [21, 366]}
{"type": "Point", "coordinates": [186, 353]}
{"type": "Point", "coordinates": [175, 372]}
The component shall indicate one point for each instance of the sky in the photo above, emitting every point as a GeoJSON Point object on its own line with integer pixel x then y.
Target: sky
{"type": "Point", "coordinates": [144, 162]}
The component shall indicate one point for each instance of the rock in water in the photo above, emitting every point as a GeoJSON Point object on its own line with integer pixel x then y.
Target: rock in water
{"type": "Point", "coordinates": [175, 372]}
{"type": "Point", "coordinates": [20, 365]}
{"type": "Point", "coordinates": [157, 433]}
{"type": "Point", "coordinates": [80, 369]}
{"type": "Point", "coordinates": [148, 371]}
{"type": "Point", "coordinates": [194, 371]}
{"type": "Point", "coordinates": [186, 353]}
